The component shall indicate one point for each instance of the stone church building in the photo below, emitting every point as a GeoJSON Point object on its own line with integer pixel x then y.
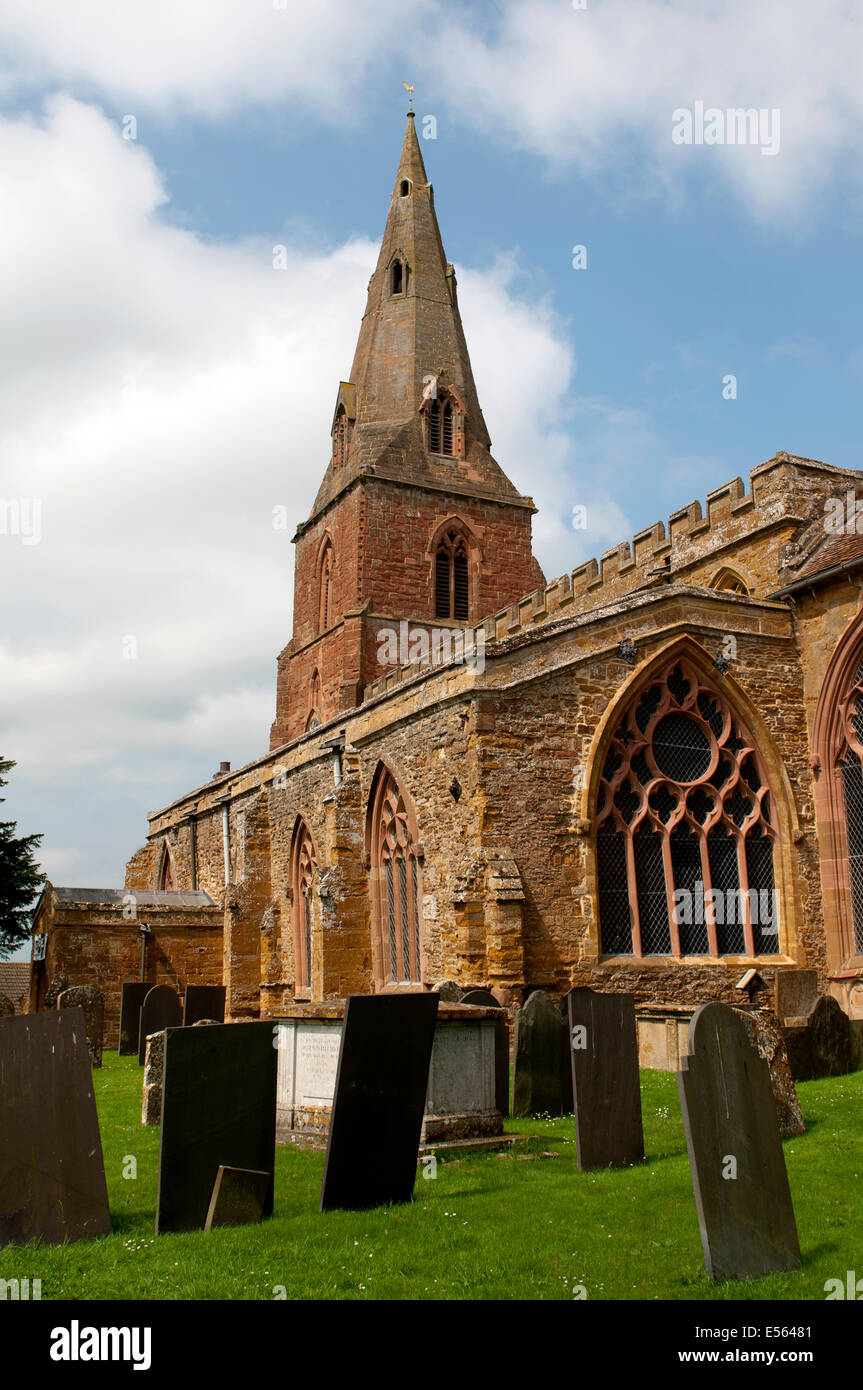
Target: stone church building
{"type": "Point", "coordinates": [645, 775]}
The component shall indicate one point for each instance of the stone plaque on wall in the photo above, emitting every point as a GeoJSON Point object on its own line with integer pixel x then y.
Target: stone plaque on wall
{"type": "Point", "coordinates": [378, 1105]}
{"type": "Point", "coordinates": [52, 1177]}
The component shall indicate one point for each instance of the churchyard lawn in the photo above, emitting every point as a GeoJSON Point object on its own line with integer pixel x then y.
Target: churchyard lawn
{"type": "Point", "coordinates": [527, 1224]}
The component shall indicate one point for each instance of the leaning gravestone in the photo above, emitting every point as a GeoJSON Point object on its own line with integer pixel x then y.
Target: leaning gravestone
{"type": "Point", "coordinates": [766, 1035]}
{"type": "Point", "coordinates": [7, 1008]}
{"type": "Point", "coordinates": [203, 1002]}
{"type": "Point", "coordinates": [542, 1083]}
{"type": "Point", "coordinates": [606, 1093]}
{"type": "Point", "coordinates": [735, 1153]}
{"type": "Point", "coordinates": [485, 999]}
{"type": "Point", "coordinates": [239, 1197]}
{"type": "Point", "coordinates": [52, 1177]}
{"type": "Point", "coordinates": [160, 1010]}
{"type": "Point", "coordinates": [92, 1002]}
{"type": "Point", "coordinates": [821, 1046]}
{"type": "Point", "coordinates": [379, 1099]}
{"type": "Point", "coordinates": [132, 996]}
{"type": "Point", "coordinates": [218, 1109]}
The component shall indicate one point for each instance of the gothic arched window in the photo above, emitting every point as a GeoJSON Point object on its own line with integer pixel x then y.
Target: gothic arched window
{"type": "Point", "coordinates": [324, 603]}
{"type": "Point", "coordinates": [440, 427]}
{"type": "Point", "coordinates": [451, 596]}
{"type": "Point", "coordinates": [729, 581]}
{"type": "Point", "coordinates": [398, 277]}
{"type": "Point", "coordinates": [397, 884]}
{"type": "Point", "coordinates": [303, 865]}
{"type": "Point", "coordinates": [684, 828]}
{"type": "Point", "coordinates": [340, 438]}
{"type": "Point", "coordinates": [166, 872]}
{"type": "Point", "coordinates": [837, 738]}
{"type": "Point", "coordinates": [314, 716]}
{"type": "Point", "coordinates": [850, 765]}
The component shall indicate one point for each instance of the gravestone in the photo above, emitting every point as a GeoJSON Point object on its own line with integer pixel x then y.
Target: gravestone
{"type": "Point", "coordinates": [447, 991]}
{"type": "Point", "coordinates": [203, 1002]}
{"type": "Point", "coordinates": [154, 1071]}
{"type": "Point", "coordinates": [796, 993]}
{"type": "Point", "coordinates": [132, 995]}
{"type": "Point", "coordinates": [766, 1035]}
{"type": "Point", "coordinates": [7, 1008]}
{"type": "Point", "coordinates": [52, 1177]}
{"type": "Point", "coordinates": [485, 999]}
{"type": "Point", "coordinates": [239, 1196]}
{"type": "Point", "coordinates": [218, 1109]}
{"type": "Point", "coordinates": [92, 1002]}
{"type": "Point", "coordinates": [542, 1080]}
{"type": "Point", "coordinates": [378, 1105]}
{"type": "Point", "coordinates": [160, 1010]}
{"type": "Point", "coordinates": [821, 1046]}
{"type": "Point", "coordinates": [606, 1094]}
{"type": "Point", "coordinates": [735, 1153]}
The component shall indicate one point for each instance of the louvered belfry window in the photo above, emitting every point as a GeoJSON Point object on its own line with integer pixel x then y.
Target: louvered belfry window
{"type": "Point", "coordinates": [451, 578]}
{"type": "Point", "coordinates": [685, 828]}
{"type": "Point", "coordinates": [303, 866]}
{"type": "Point", "coordinates": [399, 892]}
{"type": "Point", "coordinates": [447, 435]}
{"type": "Point", "coordinates": [440, 418]}
{"type": "Point", "coordinates": [851, 767]}
{"type": "Point", "coordinates": [434, 427]}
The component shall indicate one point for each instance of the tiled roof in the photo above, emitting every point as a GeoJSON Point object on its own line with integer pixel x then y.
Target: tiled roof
{"type": "Point", "coordinates": [115, 897]}
{"type": "Point", "coordinates": [836, 550]}
{"type": "Point", "coordinates": [14, 979]}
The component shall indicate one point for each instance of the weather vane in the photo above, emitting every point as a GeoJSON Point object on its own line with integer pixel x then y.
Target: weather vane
{"type": "Point", "coordinates": [408, 86]}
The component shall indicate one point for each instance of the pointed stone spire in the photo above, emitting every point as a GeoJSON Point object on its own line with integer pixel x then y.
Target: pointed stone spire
{"type": "Point", "coordinates": [412, 346]}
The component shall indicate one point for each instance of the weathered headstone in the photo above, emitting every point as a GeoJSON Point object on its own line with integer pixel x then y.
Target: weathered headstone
{"type": "Point", "coordinates": [377, 1113]}
{"type": "Point", "coordinates": [154, 1071]}
{"type": "Point", "coordinates": [218, 1108]}
{"type": "Point", "coordinates": [52, 1177]}
{"type": "Point", "coordinates": [822, 1045]}
{"type": "Point", "coordinates": [7, 1008]}
{"type": "Point", "coordinates": [132, 995]}
{"type": "Point", "coordinates": [203, 1002]}
{"type": "Point", "coordinates": [606, 1093]}
{"type": "Point", "coordinates": [796, 993]}
{"type": "Point", "coordinates": [486, 999]}
{"type": "Point", "coordinates": [735, 1153]}
{"type": "Point", "coordinates": [766, 1035]}
{"type": "Point", "coordinates": [448, 991]}
{"type": "Point", "coordinates": [239, 1197]}
{"type": "Point", "coordinates": [542, 1080]}
{"type": "Point", "coordinates": [92, 1001]}
{"type": "Point", "coordinates": [161, 1009]}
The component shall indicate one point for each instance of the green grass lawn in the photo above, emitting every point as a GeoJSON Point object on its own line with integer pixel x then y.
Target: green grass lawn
{"type": "Point", "coordinates": [524, 1225]}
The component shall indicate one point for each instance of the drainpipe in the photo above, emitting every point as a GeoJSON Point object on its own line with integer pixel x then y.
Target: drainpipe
{"type": "Point", "coordinates": [336, 745]}
{"type": "Point", "coordinates": [145, 932]}
{"type": "Point", "coordinates": [193, 850]}
{"type": "Point", "coordinates": [226, 840]}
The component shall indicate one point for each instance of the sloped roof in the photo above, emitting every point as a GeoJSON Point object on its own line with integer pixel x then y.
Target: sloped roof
{"type": "Point", "coordinates": [110, 897]}
{"type": "Point", "coordinates": [835, 551]}
{"type": "Point", "coordinates": [14, 979]}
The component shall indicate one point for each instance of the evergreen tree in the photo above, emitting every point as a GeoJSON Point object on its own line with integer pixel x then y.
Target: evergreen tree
{"type": "Point", "coordinates": [20, 879]}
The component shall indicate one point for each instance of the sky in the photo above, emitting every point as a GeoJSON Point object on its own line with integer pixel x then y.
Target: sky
{"type": "Point", "coordinates": [164, 387]}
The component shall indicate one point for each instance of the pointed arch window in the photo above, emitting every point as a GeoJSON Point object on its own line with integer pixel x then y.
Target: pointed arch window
{"type": "Point", "coordinates": [440, 427]}
{"type": "Point", "coordinates": [398, 277]}
{"type": "Point", "coordinates": [340, 438]}
{"type": "Point", "coordinates": [850, 767]}
{"type": "Point", "coordinates": [397, 885]}
{"type": "Point", "coordinates": [325, 597]}
{"type": "Point", "coordinates": [729, 581]}
{"type": "Point", "coordinates": [166, 872]}
{"type": "Point", "coordinates": [685, 828]}
{"type": "Point", "coordinates": [314, 716]}
{"type": "Point", "coordinates": [303, 867]}
{"type": "Point", "coordinates": [452, 596]}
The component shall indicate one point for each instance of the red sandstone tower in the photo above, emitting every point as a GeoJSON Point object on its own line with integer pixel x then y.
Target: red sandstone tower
{"type": "Point", "coordinates": [414, 519]}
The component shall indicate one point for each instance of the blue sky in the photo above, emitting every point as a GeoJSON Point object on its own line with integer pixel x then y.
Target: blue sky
{"type": "Point", "coordinates": [163, 388]}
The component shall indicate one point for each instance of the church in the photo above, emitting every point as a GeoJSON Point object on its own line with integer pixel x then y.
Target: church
{"type": "Point", "coordinates": [643, 776]}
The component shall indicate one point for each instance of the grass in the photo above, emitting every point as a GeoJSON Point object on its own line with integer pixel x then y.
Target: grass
{"type": "Point", "coordinates": [524, 1225]}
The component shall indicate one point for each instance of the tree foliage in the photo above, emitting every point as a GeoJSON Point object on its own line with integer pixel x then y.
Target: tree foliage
{"type": "Point", "coordinates": [20, 878]}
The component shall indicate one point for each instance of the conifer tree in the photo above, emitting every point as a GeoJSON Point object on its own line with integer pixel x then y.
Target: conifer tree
{"type": "Point", "coordinates": [20, 878]}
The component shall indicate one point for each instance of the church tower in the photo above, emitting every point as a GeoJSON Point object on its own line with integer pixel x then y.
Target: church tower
{"type": "Point", "coordinates": [414, 519]}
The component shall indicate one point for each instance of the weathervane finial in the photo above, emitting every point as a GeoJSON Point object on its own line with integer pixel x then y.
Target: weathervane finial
{"type": "Point", "coordinates": [408, 86]}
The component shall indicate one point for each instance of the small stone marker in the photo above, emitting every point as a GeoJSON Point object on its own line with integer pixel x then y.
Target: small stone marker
{"type": "Point", "coordinates": [379, 1100]}
{"type": "Point", "coordinates": [7, 1008]}
{"type": "Point", "coordinates": [52, 1177]}
{"type": "Point", "coordinates": [203, 1002]}
{"type": "Point", "coordinates": [735, 1154]}
{"type": "Point", "coordinates": [605, 1082]}
{"type": "Point", "coordinates": [132, 995]}
{"type": "Point", "coordinates": [486, 999]}
{"type": "Point", "coordinates": [218, 1109]}
{"type": "Point", "coordinates": [92, 1001]}
{"type": "Point", "coordinates": [796, 993]}
{"type": "Point", "coordinates": [239, 1197]}
{"type": "Point", "coordinates": [160, 1010]}
{"type": "Point", "coordinates": [542, 1081]}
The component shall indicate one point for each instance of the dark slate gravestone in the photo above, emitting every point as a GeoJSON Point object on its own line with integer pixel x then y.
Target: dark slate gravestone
{"type": "Point", "coordinates": [132, 995]}
{"type": "Point", "coordinates": [542, 1083]}
{"type": "Point", "coordinates": [606, 1093]}
{"type": "Point", "coordinates": [379, 1100]}
{"type": "Point", "coordinates": [93, 1003]}
{"type": "Point", "coordinates": [735, 1153]}
{"type": "Point", "coordinates": [203, 1002]}
{"type": "Point", "coordinates": [52, 1177]}
{"type": "Point", "coordinates": [821, 1047]}
{"type": "Point", "coordinates": [239, 1197]}
{"type": "Point", "coordinates": [218, 1109]}
{"type": "Point", "coordinates": [160, 1010]}
{"type": "Point", "coordinates": [485, 999]}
